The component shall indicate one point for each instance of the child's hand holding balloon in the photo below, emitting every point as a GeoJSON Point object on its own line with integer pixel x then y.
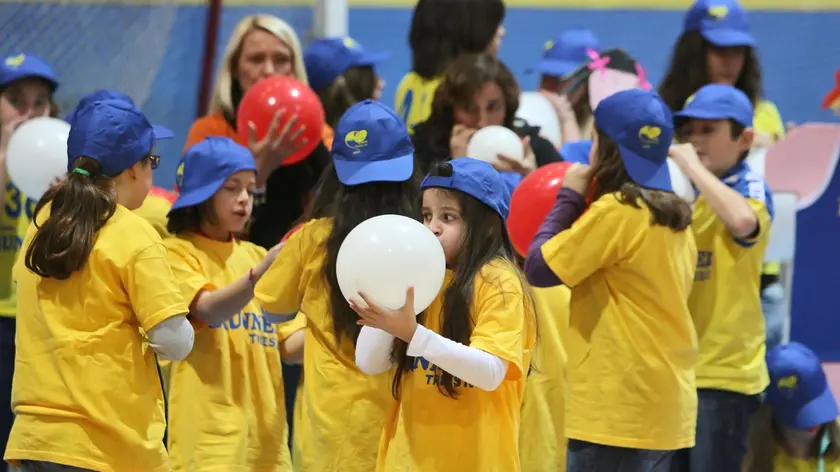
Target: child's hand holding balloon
{"type": "Point", "coordinates": [524, 166]}
{"type": "Point", "coordinates": [400, 323]}
{"type": "Point", "coordinates": [577, 178]}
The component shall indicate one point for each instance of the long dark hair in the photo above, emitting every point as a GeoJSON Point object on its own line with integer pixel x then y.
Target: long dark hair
{"type": "Point", "coordinates": [609, 175]}
{"type": "Point", "coordinates": [462, 80]}
{"type": "Point", "coordinates": [688, 71]}
{"type": "Point", "coordinates": [79, 207]}
{"type": "Point", "coordinates": [348, 206]}
{"type": "Point", "coordinates": [485, 241]}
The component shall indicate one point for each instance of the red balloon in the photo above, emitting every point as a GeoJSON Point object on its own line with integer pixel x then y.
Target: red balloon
{"type": "Point", "coordinates": [531, 201]}
{"type": "Point", "coordinates": [271, 94]}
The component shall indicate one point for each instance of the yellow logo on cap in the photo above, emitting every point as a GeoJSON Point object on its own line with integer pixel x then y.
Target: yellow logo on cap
{"type": "Point", "coordinates": [350, 42]}
{"type": "Point", "coordinates": [787, 385]}
{"type": "Point", "coordinates": [689, 99]}
{"type": "Point", "coordinates": [356, 140]}
{"type": "Point", "coordinates": [718, 12]}
{"type": "Point", "coordinates": [649, 135]}
{"type": "Point", "coordinates": [548, 45]}
{"type": "Point", "coordinates": [179, 175]}
{"type": "Point", "coordinates": [15, 61]}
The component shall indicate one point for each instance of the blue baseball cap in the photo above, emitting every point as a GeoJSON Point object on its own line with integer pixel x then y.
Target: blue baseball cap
{"type": "Point", "coordinates": [477, 179]}
{"type": "Point", "coordinates": [326, 59]}
{"type": "Point", "coordinates": [372, 145]}
{"type": "Point", "coordinates": [799, 392]}
{"type": "Point", "coordinates": [22, 66]}
{"type": "Point", "coordinates": [205, 167]}
{"type": "Point", "coordinates": [641, 125]}
{"type": "Point", "coordinates": [717, 102]}
{"type": "Point", "coordinates": [114, 133]}
{"type": "Point", "coordinates": [566, 53]}
{"type": "Point", "coordinates": [95, 97]}
{"type": "Point", "coordinates": [722, 22]}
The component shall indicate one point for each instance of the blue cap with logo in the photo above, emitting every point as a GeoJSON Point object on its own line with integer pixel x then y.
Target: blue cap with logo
{"type": "Point", "coordinates": [641, 125]}
{"type": "Point", "coordinates": [477, 179]}
{"type": "Point", "coordinates": [799, 392]}
{"type": "Point", "coordinates": [22, 66]}
{"type": "Point", "coordinates": [372, 145]}
{"type": "Point", "coordinates": [114, 133]}
{"type": "Point", "coordinates": [97, 96]}
{"type": "Point", "coordinates": [326, 59]}
{"type": "Point", "coordinates": [567, 52]}
{"type": "Point", "coordinates": [722, 22]}
{"type": "Point", "coordinates": [205, 167]}
{"type": "Point", "coordinates": [718, 102]}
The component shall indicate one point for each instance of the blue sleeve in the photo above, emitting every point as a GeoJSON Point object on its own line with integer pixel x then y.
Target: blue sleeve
{"type": "Point", "coordinates": [577, 151]}
{"type": "Point", "coordinates": [511, 180]}
{"type": "Point", "coordinates": [751, 185]}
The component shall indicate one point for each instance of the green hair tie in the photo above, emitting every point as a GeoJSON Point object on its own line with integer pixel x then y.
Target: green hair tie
{"type": "Point", "coordinates": [81, 171]}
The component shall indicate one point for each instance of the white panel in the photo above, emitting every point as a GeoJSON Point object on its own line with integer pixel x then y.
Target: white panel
{"type": "Point", "coordinates": [783, 231]}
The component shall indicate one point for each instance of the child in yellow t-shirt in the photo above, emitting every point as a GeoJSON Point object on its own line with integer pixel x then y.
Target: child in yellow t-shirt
{"type": "Point", "coordinates": [731, 224]}
{"type": "Point", "coordinates": [461, 365]}
{"type": "Point", "coordinates": [342, 410]}
{"type": "Point", "coordinates": [226, 399]}
{"type": "Point", "coordinates": [97, 301]}
{"type": "Point", "coordinates": [629, 260]}
{"type": "Point", "coordinates": [796, 430]}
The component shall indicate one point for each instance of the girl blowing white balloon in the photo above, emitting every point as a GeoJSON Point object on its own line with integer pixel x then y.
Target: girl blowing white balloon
{"type": "Point", "coordinates": [94, 277]}
{"type": "Point", "coordinates": [461, 365]}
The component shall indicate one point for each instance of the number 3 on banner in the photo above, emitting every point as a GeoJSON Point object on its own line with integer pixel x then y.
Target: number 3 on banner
{"type": "Point", "coordinates": [15, 203]}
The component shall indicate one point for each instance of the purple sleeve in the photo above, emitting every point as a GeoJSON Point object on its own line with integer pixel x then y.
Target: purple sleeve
{"type": "Point", "coordinates": [568, 208]}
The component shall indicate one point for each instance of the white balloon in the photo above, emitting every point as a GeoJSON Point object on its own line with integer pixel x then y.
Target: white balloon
{"type": "Point", "coordinates": [538, 111]}
{"type": "Point", "coordinates": [488, 142]}
{"type": "Point", "coordinates": [681, 183]}
{"type": "Point", "coordinates": [37, 155]}
{"type": "Point", "coordinates": [387, 254]}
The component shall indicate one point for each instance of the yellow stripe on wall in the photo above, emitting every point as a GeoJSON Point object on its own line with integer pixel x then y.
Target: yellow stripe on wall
{"type": "Point", "coordinates": [766, 5]}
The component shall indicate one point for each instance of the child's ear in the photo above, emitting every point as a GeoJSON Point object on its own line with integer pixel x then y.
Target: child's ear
{"type": "Point", "coordinates": [745, 141]}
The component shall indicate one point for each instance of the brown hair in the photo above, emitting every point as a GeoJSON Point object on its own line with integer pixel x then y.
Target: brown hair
{"type": "Point", "coordinates": [189, 218]}
{"type": "Point", "coordinates": [609, 175]}
{"type": "Point", "coordinates": [762, 440]}
{"type": "Point", "coordinates": [355, 85]}
{"type": "Point", "coordinates": [79, 207]}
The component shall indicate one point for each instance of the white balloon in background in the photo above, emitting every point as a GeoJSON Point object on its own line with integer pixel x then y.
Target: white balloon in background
{"type": "Point", "coordinates": [681, 183]}
{"type": "Point", "coordinates": [488, 142]}
{"type": "Point", "coordinates": [37, 155]}
{"type": "Point", "coordinates": [387, 254]}
{"type": "Point", "coordinates": [538, 111]}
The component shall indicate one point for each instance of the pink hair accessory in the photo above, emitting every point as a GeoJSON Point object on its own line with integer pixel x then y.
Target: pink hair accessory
{"type": "Point", "coordinates": [598, 62]}
{"type": "Point", "coordinates": [642, 74]}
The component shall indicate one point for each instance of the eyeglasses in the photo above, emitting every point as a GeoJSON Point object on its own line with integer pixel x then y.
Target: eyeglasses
{"type": "Point", "coordinates": [155, 160]}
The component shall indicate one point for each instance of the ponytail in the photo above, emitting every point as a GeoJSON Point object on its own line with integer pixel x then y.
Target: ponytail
{"type": "Point", "coordinates": [81, 205]}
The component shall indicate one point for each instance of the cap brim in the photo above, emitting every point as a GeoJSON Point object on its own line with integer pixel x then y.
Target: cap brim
{"type": "Point", "coordinates": [646, 173]}
{"type": "Point", "coordinates": [820, 410]}
{"type": "Point", "coordinates": [397, 169]}
{"type": "Point", "coordinates": [699, 114]}
{"type": "Point", "coordinates": [205, 192]}
{"type": "Point", "coordinates": [554, 67]}
{"type": "Point", "coordinates": [162, 132]}
{"type": "Point", "coordinates": [728, 38]}
{"type": "Point", "coordinates": [37, 75]}
{"type": "Point", "coordinates": [371, 58]}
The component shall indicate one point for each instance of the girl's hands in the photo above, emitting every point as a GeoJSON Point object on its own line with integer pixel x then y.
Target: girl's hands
{"type": "Point", "coordinates": [6, 131]}
{"type": "Point", "coordinates": [459, 139]}
{"type": "Point", "coordinates": [524, 167]}
{"type": "Point", "coordinates": [277, 144]}
{"type": "Point", "coordinates": [577, 178]}
{"type": "Point", "coordinates": [269, 258]}
{"type": "Point", "coordinates": [400, 323]}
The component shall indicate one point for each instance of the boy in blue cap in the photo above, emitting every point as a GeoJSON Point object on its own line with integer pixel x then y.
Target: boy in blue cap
{"type": "Point", "coordinates": [731, 225]}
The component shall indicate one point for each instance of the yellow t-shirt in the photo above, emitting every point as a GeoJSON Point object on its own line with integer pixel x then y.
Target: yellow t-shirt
{"type": "Point", "coordinates": [414, 98]}
{"type": "Point", "coordinates": [342, 409]}
{"type": "Point", "coordinates": [631, 342]}
{"type": "Point", "coordinates": [784, 462]}
{"type": "Point", "coordinates": [226, 401]}
{"type": "Point", "coordinates": [542, 439]}
{"type": "Point", "coordinates": [14, 221]}
{"type": "Point", "coordinates": [155, 208]}
{"type": "Point", "coordinates": [479, 431]}
{"type": "Point", "coordinates": [86, 391]}
{"type": "Point", "coordinates": [724, 300]}
{"type": "Point", "coordinates": [768, 120]}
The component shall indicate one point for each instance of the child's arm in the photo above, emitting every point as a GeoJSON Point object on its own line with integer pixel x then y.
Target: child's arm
{"type": "Point", "coordinates": [373, 351]}
{"type": "Point", "coordinates": [730, 206]}
{"type": "Point", "coordinates": [291, 350]}
{"type": "Point", "coordinates": [568, 208]}
{"type": "Point", "coordinates": [469, 364]}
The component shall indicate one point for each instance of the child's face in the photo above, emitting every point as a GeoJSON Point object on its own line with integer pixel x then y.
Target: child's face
{"type": "Point", "coordinates": [487, 108]}
{"type": "Point", "coordinates": [442, 215]}
{"type": "Point", "coordinates": [23, 100]}
{"type": "Point", "coordinates": [724, 65]}
{"type": "Point", "coordinates": [232, 204]}
{"type": "Point", "coordinates": [716, 148]}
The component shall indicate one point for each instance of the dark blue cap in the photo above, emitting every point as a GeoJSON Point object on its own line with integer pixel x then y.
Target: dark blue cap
{"type": "Point", "coordinates": [22, 66]}
{"type": "Point", "coordinates": [477, 179]}
{"type": "Point", "coordinates": [641, 125]}
{"type": "Point", "coordinates": [567, 52]}
{"type": "Point", "coordinates": [326, 59]}
{"type": "Point", "coordinates": [114, 133]}
{"type": "Point", "coordinates": [95, 97]}
{"type": "Point", "coordinates": [205, 167]}
{"type": "Point", "coordinates": [718, 102]}
{"type": "Point", "coordinates": [372, 145]}
{"type": "Point", "coordinates": [722, 22]}
{"type": "Point", "coordinates": [799, 392]}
